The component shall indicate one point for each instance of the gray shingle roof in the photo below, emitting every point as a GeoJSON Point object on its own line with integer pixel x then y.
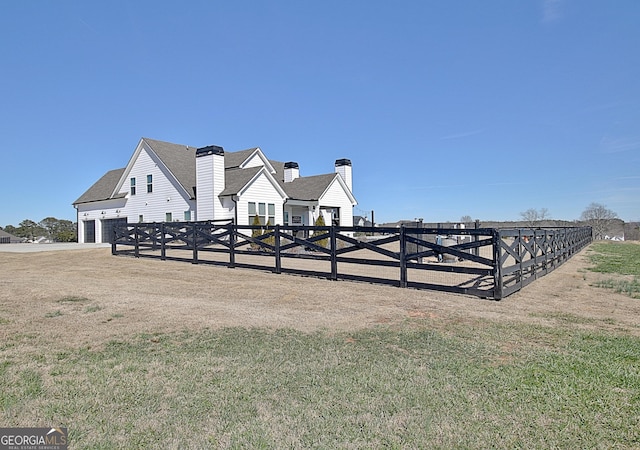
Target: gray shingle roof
{"type": "Point", "coordinates": [12, 238]}
{"type": "Point", "coordinates": [180, 160]}
{"type": "Point", "coordinates": [101, 189]}
{"type": "Point", "coordinates": [303, 188]}
{"type": "Point", "coordinates": [308, 188]}
{"type": "Point", "coordinates": [234, 159]}
{"type": "Point", "coordinates": [236, 179]}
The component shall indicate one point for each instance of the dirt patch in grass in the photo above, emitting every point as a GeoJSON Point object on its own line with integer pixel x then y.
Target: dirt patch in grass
{"type": "Point", "coordinates": [89, 297]}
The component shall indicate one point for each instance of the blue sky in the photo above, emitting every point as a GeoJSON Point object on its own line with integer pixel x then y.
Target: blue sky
{"type": "Point", "coordinates": [445, 108]}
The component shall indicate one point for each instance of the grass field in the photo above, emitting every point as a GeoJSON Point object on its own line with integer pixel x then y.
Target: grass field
{"type": "Point", "coordinates": [560, 380]}
{"type": "Point", "coordinates": [618, 259]}
{"type": "Point", "coordinates": [413, 387]}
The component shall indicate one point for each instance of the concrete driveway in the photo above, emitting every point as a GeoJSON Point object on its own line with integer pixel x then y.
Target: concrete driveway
{"type": "Point", "coordinates": [29, 248]}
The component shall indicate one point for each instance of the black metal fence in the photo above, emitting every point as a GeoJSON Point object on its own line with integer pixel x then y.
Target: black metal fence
{"type": "Point", "coordinates": [484, 262]}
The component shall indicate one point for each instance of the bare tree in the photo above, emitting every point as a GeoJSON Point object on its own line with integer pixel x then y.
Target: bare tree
{"type": "Point", "coordinates": [543, 214]}
{"type": "Point", "coordinates": [466, 219]}
{"type": "Point", "coordinates": [599, 218]}
{"type": "Point", "coordinates": [534, 216]}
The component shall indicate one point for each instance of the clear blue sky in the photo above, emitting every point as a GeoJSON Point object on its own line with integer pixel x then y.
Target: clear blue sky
{"type": "Point", "coordinates": [446, 108]}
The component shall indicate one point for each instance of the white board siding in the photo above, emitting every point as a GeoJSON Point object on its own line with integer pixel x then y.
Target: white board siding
{"type": "Point", "coordinates": [260, 190]}
{"type": "Point", "coordinates": [166, 196]}
{"type": "Point", "coordinates": [228, 209]}
{"type": "Point", "coordinates": [258, 159]}
{"type": "Point", "coordinates": [336, 197]}
{"type": "Point", "coordinates": [98, 211]}
{"type": "Point", "coordinates": [204, 187]}
{"type": "Point", "coordinates": [253, 161]}
{"type": "Point", "coordinates": [346, 172]}
{"type": "Point", "coordinates": [210, 183]}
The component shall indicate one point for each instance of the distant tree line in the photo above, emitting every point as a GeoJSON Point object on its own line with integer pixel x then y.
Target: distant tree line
{"type": "Point", "coordinates": [602, 220]}
{"type": "Point", "coordinates": [56, 230]}
{"type": "Point", "coordinates": [596, 215]}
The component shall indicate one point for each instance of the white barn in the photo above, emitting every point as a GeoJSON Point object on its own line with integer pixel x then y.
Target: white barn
{"type": "Point", "coordinates": [165, 182]}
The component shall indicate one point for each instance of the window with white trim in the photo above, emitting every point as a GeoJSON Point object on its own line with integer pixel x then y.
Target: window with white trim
{"type": "Point", "coordinates": [252, 212]}
{"type": "Point", "coordinates": [271, 209]}
{"type": "Point", "coordinates": [266, 213]}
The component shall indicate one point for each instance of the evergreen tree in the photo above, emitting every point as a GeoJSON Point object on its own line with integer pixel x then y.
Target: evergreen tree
{"type": "Point", "coordinates": [30, 229]}
{"type": "Point", "coordinates": [271, 240]}
{"type": "Point", "coordinates": [324, 242]}
{"type": "Point", "coordinates": [256, 232]}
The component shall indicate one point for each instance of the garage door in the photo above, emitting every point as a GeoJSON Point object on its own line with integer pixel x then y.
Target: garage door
{"type": "Point", "coordinates": [107, 228]}
{"type": "Point", "coordinates": [90, 231]}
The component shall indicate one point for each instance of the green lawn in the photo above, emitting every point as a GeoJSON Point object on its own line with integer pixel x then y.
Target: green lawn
{"type": "Point", "coordinates": [615, 257]}
{"type": "Point", "coordinates": [472, 386]}
{"type": "Point", "coordinates": [620, 259]}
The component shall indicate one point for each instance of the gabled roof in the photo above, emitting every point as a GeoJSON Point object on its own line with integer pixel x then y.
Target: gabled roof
{"type": "Point", "coordinates": [235, 159]}
{"type": "Point", "coordinates": [308, 188]}
{"type": "Point", "coordinates": [279, 168]}
{"type": "Point", "coordinates": [11, 237]}
{"type": "Point", "coordinates": [241, 158]}
{"type": "Point", "coordinates": [236, 179]}
{"type": "Point", "coordinates": [179, 159]}
{"type": "Point", "coordinates": [103, 188]}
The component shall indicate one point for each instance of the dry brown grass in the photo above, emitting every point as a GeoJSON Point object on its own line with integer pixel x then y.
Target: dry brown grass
{"type": "Point", "coordinates": [138, 353]}
{"type": "Point", "coordinates": [88, 297]}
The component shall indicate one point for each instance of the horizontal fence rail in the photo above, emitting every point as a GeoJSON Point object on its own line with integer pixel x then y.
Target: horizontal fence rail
{"type": "Point", "coordinates": [484, 262]}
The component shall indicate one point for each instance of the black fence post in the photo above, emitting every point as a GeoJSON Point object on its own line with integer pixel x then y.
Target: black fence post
{"type": "Point", "coordinates": [403, 257]}
{"type": "Point", "coordinates": [534, 247]}
{"type": "Point", "coordinates": [276, 243]}
{"type": "Point", "coordinates": [497, 265]}
{"type": "Point", "coordinates": [154, 238]}
{"type": "Point", "coordinates": [521, 252]}
{"type": "Point", "coordinates": [163, 247]}
{"type": "Point", "coordinates": [232, 245]}
{"type": "Point", "coordinates": [195, 244]}
{"type": "Point", "coordinates": [334, 256]}
{"type": "Point", "coordinates": [136, 252]}
{"type": "Point", "coordinates": [113, 241]}
{"type": "Point", "coordinates": [476, 226]}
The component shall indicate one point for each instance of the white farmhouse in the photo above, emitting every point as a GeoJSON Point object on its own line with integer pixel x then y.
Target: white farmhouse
{"type": "Point", "coordinates": [166, 182]}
